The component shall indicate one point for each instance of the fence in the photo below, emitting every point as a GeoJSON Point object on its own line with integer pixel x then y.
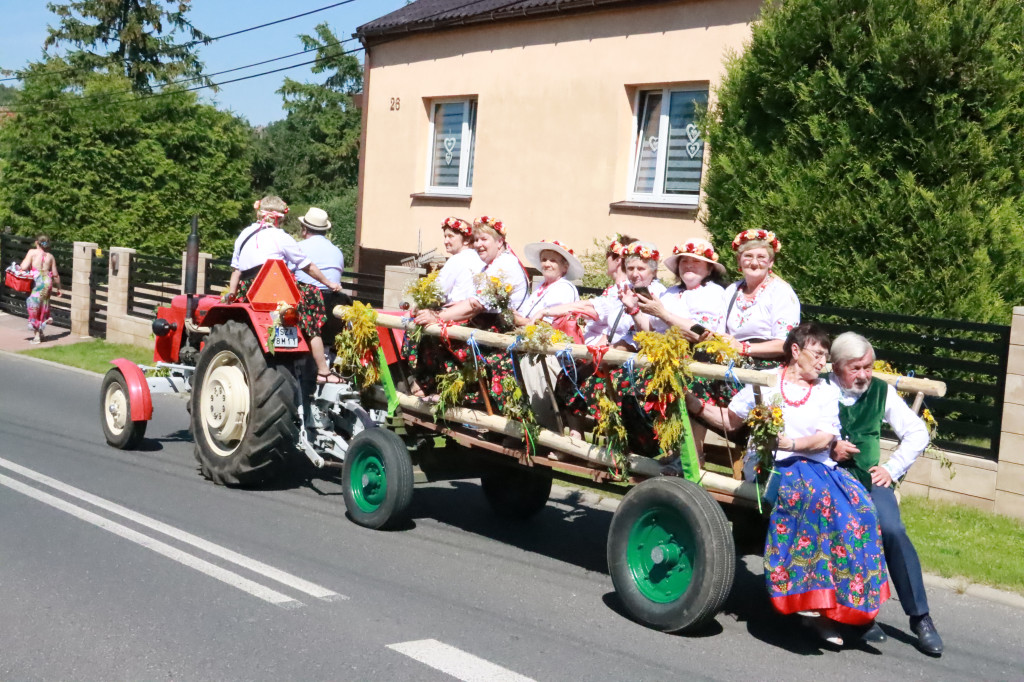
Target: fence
{"type": "Point", "coordinates": [361, 286]}
{"type": "Point", "coordinates": [152, 282]}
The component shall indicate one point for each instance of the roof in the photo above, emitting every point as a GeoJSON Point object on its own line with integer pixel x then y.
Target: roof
{"type": "Point", "coordinates": [432, 15]}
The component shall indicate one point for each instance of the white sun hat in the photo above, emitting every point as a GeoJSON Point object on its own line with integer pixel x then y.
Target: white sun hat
{"type": "Point", "coordinates": [534, 249]}
{"type": "Point", "coordinates": [701, 249]}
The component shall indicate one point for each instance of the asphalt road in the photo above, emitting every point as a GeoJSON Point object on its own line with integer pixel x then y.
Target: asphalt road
{"type": "Point", "coordinates": [130, 566]}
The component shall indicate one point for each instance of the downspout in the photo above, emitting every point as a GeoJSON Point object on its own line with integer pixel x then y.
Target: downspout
{"type": "Point", "coordinates": [361, 179]}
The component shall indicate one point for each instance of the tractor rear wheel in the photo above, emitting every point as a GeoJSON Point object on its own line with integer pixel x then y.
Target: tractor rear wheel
{"type": "Point", "coordinates": [245, 410]}
{"type": "Point", "coordinates": [116, 413]}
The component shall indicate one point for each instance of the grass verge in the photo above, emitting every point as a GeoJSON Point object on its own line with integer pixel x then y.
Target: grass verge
{"type": "Point", "coordinates": [94, 355]}
{"type": "Point", "coordinates": [957, 541]}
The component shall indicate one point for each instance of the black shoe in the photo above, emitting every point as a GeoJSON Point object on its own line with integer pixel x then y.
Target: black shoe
{"type": "Point", "coordinates": [928, 640]}
{"type": "Point", "coordinates": [874, 634]}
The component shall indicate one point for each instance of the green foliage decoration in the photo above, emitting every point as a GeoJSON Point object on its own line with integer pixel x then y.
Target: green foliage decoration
{"type": "Point", "coordinates": [880, 139]}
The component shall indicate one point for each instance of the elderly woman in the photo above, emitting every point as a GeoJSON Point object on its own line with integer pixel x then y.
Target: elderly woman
{"type": "Point", "coordinates": [456, 277]}
{"type": "Point", "coordinates": [641, 270]}
{"type": "Point", "coordinates": [696, 305]}
{"type": "Point", "coordinates": [823, 554]}
{"type": "Point", "coordinates": [761, 308]}
{"type": "Point", "coordinates": [558, 265]}
{"type": "Point", "coordinates": [264, 240]}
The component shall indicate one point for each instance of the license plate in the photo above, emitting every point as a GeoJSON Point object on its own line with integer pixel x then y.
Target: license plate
{"type": "Point", "coordinates": [286, 337]}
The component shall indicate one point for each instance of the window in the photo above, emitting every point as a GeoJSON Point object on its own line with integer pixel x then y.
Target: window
{"type": "Point", "coordinates": [452, 143]}
{"type": "Point", "coordinates": [668, 148]}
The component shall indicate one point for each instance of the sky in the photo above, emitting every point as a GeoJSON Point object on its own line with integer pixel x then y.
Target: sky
{"type": "Point", "coordinates": [24, 25]}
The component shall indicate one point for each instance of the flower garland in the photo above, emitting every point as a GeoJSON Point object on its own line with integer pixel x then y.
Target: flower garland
{"type": "Point", "coordinates": [357, 343]}
{"type": "Point", "coordinates": [555, 242]}
{"type": "Point", "coordinates": [496, 295]}
{"type": "Point", "coordinates": [757, 235]}
{"type": "Point", "coordinates": [668, 374]}
{"type": "Point", "coordinates": [639, 249]}
{"type": "Point", "coordinates": [536, 337]}
{"type": "Point", "coordinates": [610, 428]}
{"type": "Point", "coordinates": [491, 222]}
{"type": "Point", "coordinates": [766, 423]}
{"type": "Point", "coordinates": [696, 247]}
{"type": "Point", "coordinates": [617, 247]}
{"type": "Point", "coordinates": [458, 225]}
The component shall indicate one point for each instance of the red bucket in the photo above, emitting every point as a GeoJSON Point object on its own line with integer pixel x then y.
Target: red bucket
{"type": "Point", "coordinates": [18, 282]}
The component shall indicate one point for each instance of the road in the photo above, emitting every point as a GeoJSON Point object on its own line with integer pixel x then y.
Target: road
{"type": "Point", "coordinates": [129, 566]}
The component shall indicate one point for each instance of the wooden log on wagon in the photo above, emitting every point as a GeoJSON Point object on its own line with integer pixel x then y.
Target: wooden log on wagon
{"type": "Point", "coordinates": [613, 357]}
{"type": "Point", "coordinates": [636, 464]}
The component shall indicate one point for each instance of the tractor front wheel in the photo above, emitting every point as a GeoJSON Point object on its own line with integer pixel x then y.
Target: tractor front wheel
{"type": "Point", "coordinates": [245, 410]}
{"type": "Point", "coordinates": [377, 479]}
{"type": "Point", "coordinates": [116, 413]}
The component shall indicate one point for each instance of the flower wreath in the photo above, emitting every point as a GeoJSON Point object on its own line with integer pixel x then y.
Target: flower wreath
{"type": "Point", "coordinates": [256, 205]}
{"type": "Point", "coordinates": [558, 243]}
{"type": "Point", "coordinates": [267, 218]}
{"type": "Point", "coordinates": [696, 247]}
{"type": "Point", "coordinates": [492, 223]}
{"type": "Point", "coordinates": [617, 247]}
{"type": "Point", "coordinates": [457, 225]}
{"type": "Point", "coordinates": [638, 249]}
{"type": "Point", "coordinates": [757, 235]}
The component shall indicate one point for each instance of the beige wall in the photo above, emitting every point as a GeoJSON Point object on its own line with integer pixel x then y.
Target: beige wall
{"type": "Point", "coordinates": [554, 125]}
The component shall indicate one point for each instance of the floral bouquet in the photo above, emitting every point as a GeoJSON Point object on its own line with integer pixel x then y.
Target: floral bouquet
{"type": "Point", "coordinates": [425, 293]}
{"type": "Point", "coordinates": [766, 423]}
{"type": "Point", "coordinates": [495, 295]}
{"type": "Point", "coordinates": [540, 335]}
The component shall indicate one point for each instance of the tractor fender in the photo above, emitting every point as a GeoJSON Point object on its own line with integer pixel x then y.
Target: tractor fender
{"type": "Point", "coordinates": [138, 389]}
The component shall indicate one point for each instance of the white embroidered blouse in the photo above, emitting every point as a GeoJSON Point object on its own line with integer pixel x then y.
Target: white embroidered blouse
{"type": "Point", "coordinates": [769, 313]}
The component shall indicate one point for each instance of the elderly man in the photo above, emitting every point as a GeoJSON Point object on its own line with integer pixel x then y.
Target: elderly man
{"type": "Point", "coordinates": [865, 404]}
{"type": "Point", "coordinates": [328, 257]}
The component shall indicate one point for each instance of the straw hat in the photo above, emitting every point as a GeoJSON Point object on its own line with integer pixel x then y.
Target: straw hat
{"type": "Point", "coordinates": [700, 249]}
{"type": "Point", "coordinates": [316, 220]}
{"type": "Point", "coordinates": [534, 249]}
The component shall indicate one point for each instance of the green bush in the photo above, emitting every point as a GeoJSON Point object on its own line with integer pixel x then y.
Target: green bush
{"type": "Point", "coordinates": [881, 139]}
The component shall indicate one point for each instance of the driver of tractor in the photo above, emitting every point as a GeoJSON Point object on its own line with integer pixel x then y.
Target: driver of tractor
{"type": "Point", "coordinates": [265, 239]}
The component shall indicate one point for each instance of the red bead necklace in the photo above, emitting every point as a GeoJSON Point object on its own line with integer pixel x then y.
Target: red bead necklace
{"type": "Point", "coordinates": [782, 391]}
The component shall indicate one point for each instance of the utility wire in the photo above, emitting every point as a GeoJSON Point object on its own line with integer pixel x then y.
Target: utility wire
{"type": "Point", "coordinates": [132, 100]}
{"type": "Point", "coordinates": [104, 95]}
{"type": "Point", "coordinates": [206, 41]}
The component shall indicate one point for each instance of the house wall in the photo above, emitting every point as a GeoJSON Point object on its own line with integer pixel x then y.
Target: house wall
{"type": "Point", "coordinates": [555, 120]}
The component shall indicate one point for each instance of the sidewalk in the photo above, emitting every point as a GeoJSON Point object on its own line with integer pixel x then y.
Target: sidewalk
{"type": "Point", "coordinates": [16, 336]}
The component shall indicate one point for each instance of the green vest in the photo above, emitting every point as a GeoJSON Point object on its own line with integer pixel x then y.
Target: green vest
{"type": "Point", "coordinates": [862, 425]}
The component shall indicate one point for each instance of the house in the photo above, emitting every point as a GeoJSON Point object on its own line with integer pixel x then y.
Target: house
{"type": "Point", "coordinates": [567, 119]}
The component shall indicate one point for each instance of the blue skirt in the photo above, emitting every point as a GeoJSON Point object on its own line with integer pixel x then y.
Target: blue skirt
{"type": "Point", "coordinates": [824, 548]}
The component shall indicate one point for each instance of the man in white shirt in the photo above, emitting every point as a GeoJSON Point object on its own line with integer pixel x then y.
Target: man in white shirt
{"type": "Point", "coordinates": [331, 261]}
{"type": "Point", "coordinates": [865, 403]}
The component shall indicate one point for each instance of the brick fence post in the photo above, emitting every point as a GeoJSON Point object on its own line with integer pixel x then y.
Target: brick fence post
{"type": "Point", "coordinates": [81, 287]}
{"type": "Point", "coordinates": [1010, 475]}
{"type": "Point", "coordinates": [396, 279]}
{"type": "Point", "coordinates": [120, 267]}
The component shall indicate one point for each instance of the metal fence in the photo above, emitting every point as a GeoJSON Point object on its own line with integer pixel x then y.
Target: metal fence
{"type": "Point", "coordinates": [361, 286]}
{"type": "Point", "coordinates": [152, 282]}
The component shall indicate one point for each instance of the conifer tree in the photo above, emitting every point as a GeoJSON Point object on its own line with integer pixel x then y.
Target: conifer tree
{"type": "Point", "coordinates": [881, 139]}
{"type": "Point", "coordinates": [136, 38]}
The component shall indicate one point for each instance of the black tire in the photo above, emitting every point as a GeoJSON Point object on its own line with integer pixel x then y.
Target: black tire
{"type": "Point", "coordinates": [233, 373]}
{"type": "Point", "coordinates": [377, 479]}
{"type": "Point", "coordinates": [671, 555]}
{"type": "Point", "coordinates": [516, 492]}
{"type": "Point", "coordinates": [115, 413]}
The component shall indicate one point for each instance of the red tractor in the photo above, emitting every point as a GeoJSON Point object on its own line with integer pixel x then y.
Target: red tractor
{"type": "Point", "coordinates": [246, 366]}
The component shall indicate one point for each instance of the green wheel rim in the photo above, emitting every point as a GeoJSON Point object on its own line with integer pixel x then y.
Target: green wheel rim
{"type": "Point", "coordinates": [368, 479]}
{"type": "Point", "coordinates": [661, 554]}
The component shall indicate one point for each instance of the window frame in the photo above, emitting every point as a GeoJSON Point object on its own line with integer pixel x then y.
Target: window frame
{"type": "Point", "coordinates": [468, 136]}
{"type": "Point", "coordinates": [682, 200]}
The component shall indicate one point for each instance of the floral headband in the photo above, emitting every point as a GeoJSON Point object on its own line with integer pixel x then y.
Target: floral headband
{"type": "Point", "coordinates": [617, 247]}
{"type": "Point", "coordinates": [458, 225]}
{"type": "Point", "coordinates": [256, 206]}
{"type": "Point", "coordinates": [696, 247]}
{"type": "Point", "coordinates": [757, 235]}
{"type": "Point", "coordinates": [492, 223]}
{"type": "Point", "coordinates": [555, 242]}
{"type": "Point", "coordinates": [638, 249]}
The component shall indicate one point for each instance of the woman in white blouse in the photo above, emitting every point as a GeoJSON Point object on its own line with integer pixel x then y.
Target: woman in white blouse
{"type": "Point", "coordinates": [641, 269]}
{"type": "Point", "coordinates": [762, 308]}
{"type": "Point", "coordinates": [456, 277]}
{"type": "Point", "coordinates": [696, 305]}
{"type": "Point", "coordinates": [558, 264]}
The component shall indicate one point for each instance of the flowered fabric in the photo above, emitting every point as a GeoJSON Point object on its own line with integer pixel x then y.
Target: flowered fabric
{"type": "Point", "coordinates": [824, 548]}
{"type": "Point", "coordinates": [310, 309]}
{"type": "Point", "coordinates": [38, 300]}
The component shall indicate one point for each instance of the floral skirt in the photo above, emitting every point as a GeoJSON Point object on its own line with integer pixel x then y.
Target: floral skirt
{"type": "Point", "coordinates": [312, 313]}
{"type": "Point", "coordinates": [38, 301]}
{"type": "Point", "coordinates": [824, 548]}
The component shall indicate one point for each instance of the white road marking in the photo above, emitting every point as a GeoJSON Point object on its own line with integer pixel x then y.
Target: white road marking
{"type": "Point", "coordinates": [455, 662]}
{"type": "Point", "coordinates": [224, 553]}
{"type": "Point", "coordinates": [212, 570]}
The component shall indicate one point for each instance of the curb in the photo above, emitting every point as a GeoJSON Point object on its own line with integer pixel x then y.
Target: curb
{"type": "Point", "coordinates": [51, 363]}
{"type": "Point", "coordinates": [963, 586]}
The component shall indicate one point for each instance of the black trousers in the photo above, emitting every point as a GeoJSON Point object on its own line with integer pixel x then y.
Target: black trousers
{"type": "Point", "coordinates": [900, 555]}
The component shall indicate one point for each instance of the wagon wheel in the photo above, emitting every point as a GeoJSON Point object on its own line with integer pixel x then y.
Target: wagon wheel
{"type": "Point", "coordinates": [671, 555]}
{"type": "Point", "coordinates": [116, 413]}
{"type": "Point", "coordinates": [377, 479]}
{"type": "Point", "coordinates": [516, 492]}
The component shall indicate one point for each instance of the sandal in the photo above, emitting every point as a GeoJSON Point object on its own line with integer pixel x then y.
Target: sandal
{"type": "Point", "coordinates": [328, 378]}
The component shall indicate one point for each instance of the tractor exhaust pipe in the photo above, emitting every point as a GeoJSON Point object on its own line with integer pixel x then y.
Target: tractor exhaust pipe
{"type": "Point", "coordinates": [192, 267]}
